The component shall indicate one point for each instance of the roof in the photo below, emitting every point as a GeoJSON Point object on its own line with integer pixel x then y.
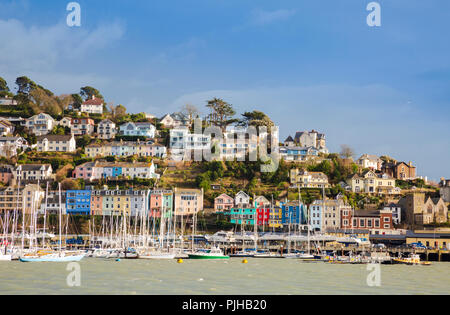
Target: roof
{"type": "Point", "coordinates": [55, 137]}
{"type": "Point", "coordinates": [93, 101]}
{"type": "Point", "coordinates": [370, 157]}
{"type": "Point", "coordinates": [289, 139]}
{"type": "Point", "coordinates": [34, 167]}
{"type": "Point", "coordinates": [366, 213]}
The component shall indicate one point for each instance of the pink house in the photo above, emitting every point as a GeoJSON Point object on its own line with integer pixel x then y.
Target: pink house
{"type": "Point", "coordinates": [223, 202]}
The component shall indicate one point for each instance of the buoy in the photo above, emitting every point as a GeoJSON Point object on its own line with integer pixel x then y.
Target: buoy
{"type": "Point", "coordinates": [118, 259]}
{"type": "Point", "coordinates": [180, 261]}
{"type": "Point", "coordinates": [245, 261]}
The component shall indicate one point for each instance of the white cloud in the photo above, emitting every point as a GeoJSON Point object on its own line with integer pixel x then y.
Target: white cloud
{"type": "Point", "coordinates": [262, 17]}
{"type": "Point", "coordinates": [37, 48]}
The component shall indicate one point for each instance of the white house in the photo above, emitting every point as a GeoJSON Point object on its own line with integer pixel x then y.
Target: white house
{"type": "Point", "coordinates": [6, 127]}
{"type": "Point", "coordinates": [138, 129]}
{"type": "Point", "coordinates": [56, 143]}
{"type": "Point", "coordinates": [8, 101]}
{"type": "Point", "coordinates": [241, 199]}
{"type": "Point", "coordinates": [106, 129]}
{"type": "Point", "coordinates": [65, 122]}
{"type": "Point", "coordinates": [370, 161]}
{"type": "Point", "coordinates": [10, 145]}
{"type": "Point", "coordinates": [182, 143]}
{"type": "Point", "coordinates": [174, 120]}
{"type": "Point", "coordinates": [33, 172]}
{"type": "Point", "coordinates": [40, 124]}
{"type": "Point", "coordinates": [92, 106]}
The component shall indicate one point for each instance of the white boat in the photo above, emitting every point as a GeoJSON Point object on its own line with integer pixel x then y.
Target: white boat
{"type": "Point", "coordinates": [57, 257]}
{"type": "Point", "coordinates": [157, 255]}
{"type": "Point", "coordinates": [4, 257]}
{"type": "Point", "coordinates": [213, 253]}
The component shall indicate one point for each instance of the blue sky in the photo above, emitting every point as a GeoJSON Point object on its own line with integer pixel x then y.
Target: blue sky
{"type": "Point", "coordinates": [307, 64]}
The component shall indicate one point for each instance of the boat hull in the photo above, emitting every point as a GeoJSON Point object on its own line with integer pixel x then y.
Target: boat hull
{"type": "Point", "coordinates": [5, 257]}
{"type": "Point", "coordinates": [200, 256]}
{"type": "Point", "coordinates": [52, 259]}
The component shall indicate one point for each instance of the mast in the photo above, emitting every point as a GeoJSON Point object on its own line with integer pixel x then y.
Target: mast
{"type": "Point", "coordinates": [45, 215]}
{"type": "Point", "coordinates": [60, 219]}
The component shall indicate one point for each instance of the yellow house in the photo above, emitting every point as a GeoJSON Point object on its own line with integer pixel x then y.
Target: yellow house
{"type": "Point", "coordinates": [275, 217]}
{"type": "Point", "coordinates": [306, 179]}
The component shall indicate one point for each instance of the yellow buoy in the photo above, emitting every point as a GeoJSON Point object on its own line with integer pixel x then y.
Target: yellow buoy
{"type": "Point", "coordinates": [180, 261]}
{"type": "Point", "coordinates": [245, 261]}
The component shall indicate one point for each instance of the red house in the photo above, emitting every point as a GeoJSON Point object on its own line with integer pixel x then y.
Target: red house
{"type": "Point", "coordinates": [262, 216]}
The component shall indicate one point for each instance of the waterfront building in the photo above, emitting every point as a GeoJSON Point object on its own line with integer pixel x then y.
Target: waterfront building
{"type": "Point", "coordinates": [376, 221]}
{"type": "Point", "coordinates": [188, 201]}
{"type": "Point", "coordinates": [276, 218]}
{"type": "Point", "coordinates": [56, 143]}
{"type": "Point", "coordinates": [420, 209]}
{"type": "Point", "coordinates": [396, 212]}
{"type": "Point", "coordinates": [160, 198]}
{"type": "Point", "coordinates": [51, 203]}
{"type": "Point", "coordinates": [78, 202]}
{"type": "Point", "coordinates": [262, 216]}
{"type": "Point", "coordinates": [293, 213]}
{"type": "Point", "coordinates": [326, 215]}
{"type": "Point", "coordinates": [262, 202]}
{"type": "Point", "coordinates": [244, 216]}
{"type": "Point", "coordinates": [26, 199]}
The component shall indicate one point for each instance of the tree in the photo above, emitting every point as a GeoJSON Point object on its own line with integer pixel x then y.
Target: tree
{"type": "Point", "coordinates": [70, 184]}
{"type": "Point", "coordinates": [4, 89]}
{"type": "Point", "coordinates": [221, 112]}
{"type": "Point", "coordinates": [256, 119]}
{"type": "Point", "coordinates": [88, 91]}
{"type": "Point", "coordinates": [190, 111]}
{"type": "Point", "coordinates": [77, 100]}
{"type": "Point", "coordinates": [346, 151]}
{"type": "Point", "coordinates": [24, 85]}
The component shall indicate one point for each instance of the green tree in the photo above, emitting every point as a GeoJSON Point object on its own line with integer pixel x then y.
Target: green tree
{"type": "Point", "coordinates": [88, 91]}
{"type": "Point", "coordinates": [221, 112]}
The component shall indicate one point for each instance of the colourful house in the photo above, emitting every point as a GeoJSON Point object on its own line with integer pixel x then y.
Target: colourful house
{"type": "Point", "coordinates": [276, 217]}
{"type": "Point", "coordinates": [223, 203]}
{"type": "Point", "coordinates": [293, 213]}
{"type": "Point", "coordinates": [242, 216]}
{"type": "Point", "coordinates": [78, 202]}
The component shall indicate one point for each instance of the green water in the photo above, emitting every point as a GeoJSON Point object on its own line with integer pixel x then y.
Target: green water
{"type": "Point", "coordinates": [259, 276]}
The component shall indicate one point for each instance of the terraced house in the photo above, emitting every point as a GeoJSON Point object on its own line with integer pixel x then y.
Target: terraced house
{"type": "Point", "coordinates": [78, 202]}
{"type": "Point", "coordinates": [126, 148]}
{"type": "Point", "coordinates": [98, 170]}
{"type": "Point", "coordinates": [56, 143]}
{"type": "Point", "coordinates": [188, 201]}
{"type": "Point", "coordinates": [33, 173]}
{"type": "Point", "coordinates": [161, 201]}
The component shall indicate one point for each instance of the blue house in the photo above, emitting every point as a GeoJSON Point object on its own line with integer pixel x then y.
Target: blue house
{"type": "Point", "coordinates": [78, 202]}
{"type": "Point", "coordinates": [293, 214]}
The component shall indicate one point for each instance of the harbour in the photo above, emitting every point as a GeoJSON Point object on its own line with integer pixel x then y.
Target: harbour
{"type": "Point", "coordinates": [218, 277]}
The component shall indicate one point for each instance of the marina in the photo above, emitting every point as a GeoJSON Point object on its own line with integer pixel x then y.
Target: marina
{"type": "Point", "coordinates": [215, 277]}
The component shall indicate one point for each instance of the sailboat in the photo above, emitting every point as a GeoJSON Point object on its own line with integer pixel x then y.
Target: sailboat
{"type": "Point", "coordinates": [213, 253]}
{"type": "Point", "coordinates": [160, 253]}
{"type": "Point", "coordinates": [50, 255]}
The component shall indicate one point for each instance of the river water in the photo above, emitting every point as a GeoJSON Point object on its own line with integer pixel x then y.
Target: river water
{"type": "Point", "coordinates": [258, 276]}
